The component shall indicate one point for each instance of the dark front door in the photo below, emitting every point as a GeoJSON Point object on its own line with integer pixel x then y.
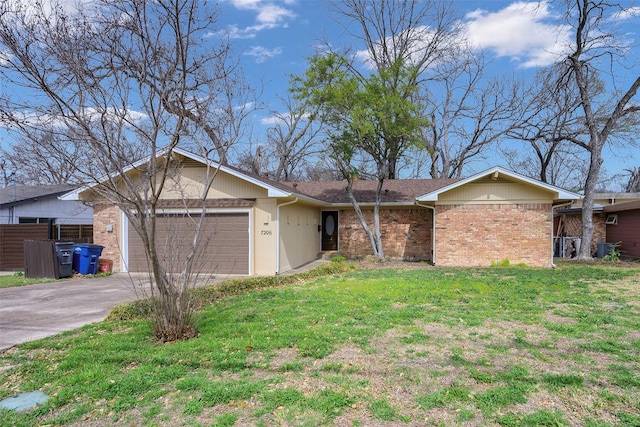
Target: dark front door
{"type": "Point", "coordinates": [329, 230]}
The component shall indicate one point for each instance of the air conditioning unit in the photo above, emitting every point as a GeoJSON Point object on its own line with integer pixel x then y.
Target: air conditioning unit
{"type": "Point", "coordinates": [612, 220]}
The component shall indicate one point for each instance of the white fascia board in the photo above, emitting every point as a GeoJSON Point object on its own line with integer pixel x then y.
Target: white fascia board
{"type": "Point", "coordinates": [560, 194]}
{"type": "Point", "coordinates": [73, 195]}
{"type": "Point", "coordinates": [271, 190]}
{"type": "Point", "coordinates": [309, 199]}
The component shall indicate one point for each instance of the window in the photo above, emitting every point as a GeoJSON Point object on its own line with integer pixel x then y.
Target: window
{"type": "Point", "coordinates": [27, 220]}
{"type": "Point", "coordinates": [612, 219]}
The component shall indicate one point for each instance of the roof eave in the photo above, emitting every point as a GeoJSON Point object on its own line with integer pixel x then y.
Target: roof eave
{"type": "Point", "coordinates": [271, 190]}
{"type": "Point", "coordinates": [560, 194]}
{"type": "Point", "coordinates": [371, 204]}
{"type": "Point", "coordinates": [73, 195]}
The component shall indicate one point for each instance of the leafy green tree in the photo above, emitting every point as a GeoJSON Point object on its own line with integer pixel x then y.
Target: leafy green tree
{"type": "Point", "coordinates": [368, 118]}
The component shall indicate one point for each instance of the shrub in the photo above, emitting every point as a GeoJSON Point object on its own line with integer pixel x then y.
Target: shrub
{"type": "Point", "coordinates": [614, 252]}
{"type": "Point", "coordinates": [139, 309]}
{"type": "Point", "coordinates": [206, 295]}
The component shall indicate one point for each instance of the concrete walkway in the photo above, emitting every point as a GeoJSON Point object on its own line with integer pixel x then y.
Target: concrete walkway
{"type": "Point", "coordinates": [28, 313]}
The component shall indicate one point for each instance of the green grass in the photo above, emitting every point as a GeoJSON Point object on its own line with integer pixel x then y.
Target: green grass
{"type": "Point", "coordinates": [18, 279]}
{"type": "Point", "coordinates": [498, 346]}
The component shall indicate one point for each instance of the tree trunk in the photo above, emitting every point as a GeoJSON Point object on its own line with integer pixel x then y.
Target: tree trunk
{"type": "Point", "coordinates": [374, 238]}
{"type": "Point", "coordinates": [587, 205]}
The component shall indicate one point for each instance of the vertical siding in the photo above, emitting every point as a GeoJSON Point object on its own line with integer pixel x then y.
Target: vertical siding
{"type": "Point", "coordinates": [299, 235]}
{"type": "Point", "coordinates": [627, 231]}
{"type": "Point", "coordinates": [264, 238]}
{"type": "Point", "coordinates": [491, 192]}
{"type": "Point", "coordinates": [189, 185]}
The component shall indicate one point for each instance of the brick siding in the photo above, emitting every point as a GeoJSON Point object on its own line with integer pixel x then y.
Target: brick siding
{"type": "Point", "coordinates": [572, 227]}
{"type": "Point", "coordinates": [406, 233]}
{"type": "Point", "coordinates": [478, 235]}
{"type": "Point", "coordinates": [107, 214]}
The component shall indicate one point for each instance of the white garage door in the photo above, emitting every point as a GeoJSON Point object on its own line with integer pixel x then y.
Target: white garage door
{"type": "Point", "coordinates": [223, 249]}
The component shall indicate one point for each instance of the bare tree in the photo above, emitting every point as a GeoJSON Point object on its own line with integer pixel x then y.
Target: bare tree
{"type": "Point", "coordinates": [561, 165]}
{"type": "Point", "coordinates": [322, 170]}
{"type": "Point", "coordinates": [596, 48]}
{"type": "Point", "coordinates": [46, 157]}
{"type": "Point", "coordinates": [292, 140]}
{"type": "Point", "coordinates": [547, 114]}
{"type": "Point", "coordinates": [292, 145]}
{"type": "Point", "coordinates": [127, 78]}
{"type": "Point", "coordinates": [633, 184]}
{"type": "Point", "coordinates": [8, 173]}
{"type": "Point", "coordinates": [467, 113]}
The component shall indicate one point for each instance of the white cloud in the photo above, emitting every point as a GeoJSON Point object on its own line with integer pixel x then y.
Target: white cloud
{"type": "Point", "coordinates": [262, 53]}
{"type": "Point", "coordinates": [35, 118]}
{"type": "Point", "coordinates": [68, 6]}
{"type": "Point", "coordinates": [270, 121]}
{"type": "Point", "coordinates": [283, 118]}
{"type": "Point", "coordinates": [626, 14]}
{"type": "Point", "coordinates": [523, 31]}
{"type": "Point", "coordinates": [239, 33]}
{"type": "Point", "coordinates": [268, 15]}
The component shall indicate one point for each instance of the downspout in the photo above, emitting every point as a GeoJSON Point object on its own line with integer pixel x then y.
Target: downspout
{"type": "Point", "coordinates": [433, 232]}
{"type": "Point", "coordinates": [278, 232]}
{"type": "Point", "coordinates": [552, 236]}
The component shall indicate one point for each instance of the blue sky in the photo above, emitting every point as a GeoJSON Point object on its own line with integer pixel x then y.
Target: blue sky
{"type": "Point", "coordinates": [274, 38]}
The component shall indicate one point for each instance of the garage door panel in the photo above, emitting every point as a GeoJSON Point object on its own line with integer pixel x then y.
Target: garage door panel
{"type": "Point", "coordinates": [223, 248]}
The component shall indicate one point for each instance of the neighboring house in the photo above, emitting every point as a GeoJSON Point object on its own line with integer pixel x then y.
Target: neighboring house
{"type": "Point", "coordinates": [568, 221]}
{"type": "Point", "coordinates": [256, 226]}
{"type": "Point", "coordinates": [37, 213]}
{"type": "Point", "coordinates": [39, 204]}
{"type": "Point", "coordinates": [623, 226]}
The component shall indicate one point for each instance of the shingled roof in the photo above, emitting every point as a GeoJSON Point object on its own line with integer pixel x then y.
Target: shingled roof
{"type": "Point", "coordinates": [394, 191]}
{"type": "Point", "coordinates": [401, 191]}
{"type": "Point", "coordinates": [16, 195]}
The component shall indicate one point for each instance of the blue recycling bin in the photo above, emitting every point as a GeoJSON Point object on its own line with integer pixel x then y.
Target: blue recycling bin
{"type": "Point", "coordinates": [85, 258]}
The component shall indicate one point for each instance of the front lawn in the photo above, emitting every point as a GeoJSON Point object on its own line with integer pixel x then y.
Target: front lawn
{"type": "Point", "coordinates": [18, 279]}
{"type": "Point", "coordinates": [429, 346]}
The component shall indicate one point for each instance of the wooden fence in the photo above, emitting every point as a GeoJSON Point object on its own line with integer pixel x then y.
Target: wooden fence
{"type": "Point", "coordinates": [73, 233]}
{"type": "Point", "coordinates": [12, 237]}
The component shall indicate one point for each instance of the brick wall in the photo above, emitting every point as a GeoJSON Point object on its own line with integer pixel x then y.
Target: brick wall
{"type": "Point", "coordinates": [572, 227]}
{"type": "Point", "coordinates": [477, 235]}
{"type": "Point", "coordinates": [107, 214]}
{"type": "Point", "coordinates": [406, 233]}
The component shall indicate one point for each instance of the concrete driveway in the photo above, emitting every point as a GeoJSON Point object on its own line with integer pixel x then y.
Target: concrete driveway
{"type": "Point", "coordinates": [28, 313]}
{"type": "Point", "coordinates": [32, 312]}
